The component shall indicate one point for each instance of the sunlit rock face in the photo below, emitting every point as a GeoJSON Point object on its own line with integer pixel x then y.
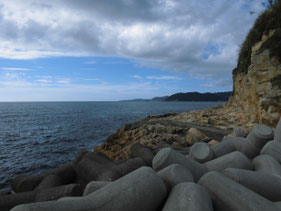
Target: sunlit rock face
{"type": "Point", "coordinates": [258, 92]}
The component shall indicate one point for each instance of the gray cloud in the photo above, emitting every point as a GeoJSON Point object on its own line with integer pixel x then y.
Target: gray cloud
{"type": "Point", "coordinates": [166, 34]}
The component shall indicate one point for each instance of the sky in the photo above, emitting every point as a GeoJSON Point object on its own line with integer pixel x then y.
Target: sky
{"type": "Point", "coordinates": [93, 50]}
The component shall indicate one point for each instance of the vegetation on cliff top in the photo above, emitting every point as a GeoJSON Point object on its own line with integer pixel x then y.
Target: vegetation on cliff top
{"type": "Point", "coordinates": [269, 20]}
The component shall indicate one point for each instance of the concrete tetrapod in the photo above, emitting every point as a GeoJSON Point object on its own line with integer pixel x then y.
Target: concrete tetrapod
{"type": "Point", "coordinates": [267, 164]}
{"type": "Point", "coordinates": [273, 148]}
{"type": "Point", "coordinates": [243, 145]}
{"type": "Point", "coordinates": [201, 152]}
{"type": "Point", "coordinates": [7, 202]}
{"type": "Point", "coordinates": [175, 174]}
{"type": "Point", "coordinates": [140, 190]}
{"type": "Point", "coordinates": [94, 186]}
{"type": "Point", "coordinates": [49, 182]}
{"type": "Point", "coordinates": [229, 195]}
{"type": "Point", "coordinates": [260, 135]}
{"type": "Point", "coordinates": [277, 131]}
{"type": "Point", "coordinates": [188, 196]}
{"type": "Point", "coordinates": [168, 156]}
{"type": "Point", "coordinates": [223, 148]}
{"type": "Point", "coordinates": [232, 160]}
{"type": "Point", "coordinates": [267, 185]}
{"type": "Point", "coordinates": [138, 150]}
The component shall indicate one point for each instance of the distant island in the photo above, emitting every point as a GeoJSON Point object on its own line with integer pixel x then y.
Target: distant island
{"type": "Point", "coordinates": [191, 96]}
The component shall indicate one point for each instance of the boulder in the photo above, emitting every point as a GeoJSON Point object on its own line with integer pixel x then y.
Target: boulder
{"type": "Point", "coordinates": [213, 142]}
{"type": "Point", "coordinates": [193, 136]}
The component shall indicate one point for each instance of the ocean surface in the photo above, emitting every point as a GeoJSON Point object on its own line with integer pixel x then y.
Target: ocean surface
{"type": "Point", "coordinates": [36, 137]}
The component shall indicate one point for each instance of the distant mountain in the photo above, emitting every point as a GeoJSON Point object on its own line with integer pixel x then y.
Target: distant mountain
{"type": "Point", "coordinates": [196, 96]}
{"type": "Point", "coordinates": [159, 98]}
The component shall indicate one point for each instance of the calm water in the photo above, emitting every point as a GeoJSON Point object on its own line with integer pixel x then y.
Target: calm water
{"type": "Point", "coordinates": [35, 137]}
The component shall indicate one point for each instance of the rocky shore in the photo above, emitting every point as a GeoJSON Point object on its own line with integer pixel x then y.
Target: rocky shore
{"type": "Point", "coordinates": [242, 172]}
{"type": "Point", "coordinates": [222, 158]}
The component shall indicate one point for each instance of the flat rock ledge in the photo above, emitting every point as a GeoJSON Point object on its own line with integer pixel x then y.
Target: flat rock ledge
{"type": "Point", "coordinates": [238, 173]}
{"type": "Point", "coordinates": [174, 130]}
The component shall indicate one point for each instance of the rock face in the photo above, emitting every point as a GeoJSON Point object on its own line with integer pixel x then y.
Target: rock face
{"type": "Point", "coordinates": [258, 92]}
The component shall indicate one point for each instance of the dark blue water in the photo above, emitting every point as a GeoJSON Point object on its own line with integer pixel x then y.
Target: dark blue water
{"type": "Point", "coordinates": [36, 137]}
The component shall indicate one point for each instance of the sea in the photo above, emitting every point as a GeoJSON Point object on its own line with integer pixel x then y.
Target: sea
{"type": "Point", "coordinates": [38, 136]}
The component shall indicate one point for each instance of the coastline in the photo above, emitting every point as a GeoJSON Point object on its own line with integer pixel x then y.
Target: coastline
{"type": "Point", "coordinates": [171, 129]}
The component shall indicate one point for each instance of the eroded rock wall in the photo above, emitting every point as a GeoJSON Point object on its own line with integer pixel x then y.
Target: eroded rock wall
{"type": "Point", "coordinates": [258, 92]}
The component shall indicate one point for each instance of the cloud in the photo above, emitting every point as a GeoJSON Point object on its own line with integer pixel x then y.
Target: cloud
{"type": "Point", "coordinates": [165, 34]}
{"type": "Point", "coordinates": [164, 77]}
{"type": "Point", "coordinates": [15, 69]}
{"type": "Point", "coordinates": [137, 76]}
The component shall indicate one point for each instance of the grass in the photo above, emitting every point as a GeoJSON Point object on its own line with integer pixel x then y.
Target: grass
{"type": "Point", "coordinates": [269, 20]}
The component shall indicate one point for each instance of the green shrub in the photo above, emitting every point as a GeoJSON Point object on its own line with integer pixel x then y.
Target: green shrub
{"type": "Point", "coordinates": [269, 20]}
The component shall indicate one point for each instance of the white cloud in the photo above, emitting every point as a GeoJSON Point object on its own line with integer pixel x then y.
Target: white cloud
{"type": "Point", "coordinates": [44, 81]}
{"type": "Point", "coordinates": [164, 34]}
{"type": "Point", "coordinates": [136, 76]}
{"type": "Point", "coordinates": [15, 69]}
{"type": "Point", "coordinates": [164, 77]}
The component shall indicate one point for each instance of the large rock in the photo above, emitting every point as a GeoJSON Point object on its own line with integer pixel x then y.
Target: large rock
{"type": "Point", "coordinates": [193, 136]}
{"type": "Point", "coordinates": [127, 193]}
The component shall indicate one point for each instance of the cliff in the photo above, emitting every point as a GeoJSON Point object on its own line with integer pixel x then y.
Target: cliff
{"type": "Point", "coordinates": [256, 97]}
{"type": "Point", "coordinates": [257, 78]}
